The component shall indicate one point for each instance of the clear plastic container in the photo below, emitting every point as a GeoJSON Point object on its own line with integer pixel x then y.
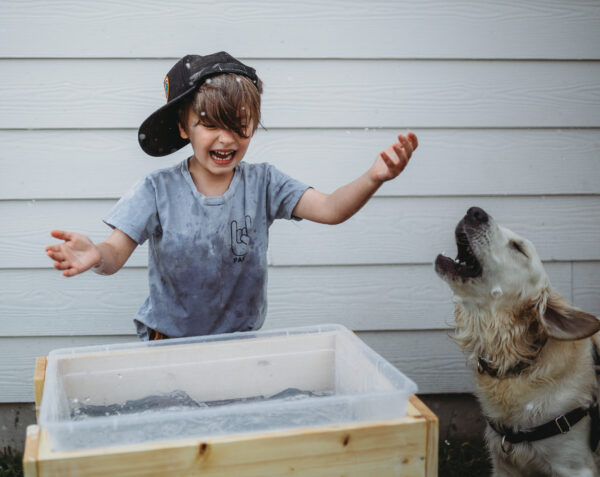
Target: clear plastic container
{"type": "Point", "coordinates": [217, 385]}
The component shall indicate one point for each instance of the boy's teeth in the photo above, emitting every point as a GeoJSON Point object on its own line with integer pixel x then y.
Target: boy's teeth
{"type": "Point", "coordinates": [222, 155]}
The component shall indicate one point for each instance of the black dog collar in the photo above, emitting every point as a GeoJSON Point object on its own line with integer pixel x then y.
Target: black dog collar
{"type": "Point", "coordinates": [560, 425]}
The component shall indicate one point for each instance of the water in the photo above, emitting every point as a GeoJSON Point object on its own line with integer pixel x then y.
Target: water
{"type": "Point", "coordinates": [177, 401]}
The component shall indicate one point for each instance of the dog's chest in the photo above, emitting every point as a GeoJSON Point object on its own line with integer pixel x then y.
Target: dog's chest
{"type": "Point", "coordinates": [509, 398]}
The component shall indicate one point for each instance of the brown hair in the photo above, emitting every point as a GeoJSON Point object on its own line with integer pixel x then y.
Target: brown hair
{"type": "Point", "coordinates": [227, 101]}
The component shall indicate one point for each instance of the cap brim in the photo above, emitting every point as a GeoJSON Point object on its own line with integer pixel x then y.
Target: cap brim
{"type": "Point", "coordinates": [159, 133]}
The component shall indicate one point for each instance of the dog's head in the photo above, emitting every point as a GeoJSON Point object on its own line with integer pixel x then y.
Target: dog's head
{"type": "Point", "coordinates": [496, 269]}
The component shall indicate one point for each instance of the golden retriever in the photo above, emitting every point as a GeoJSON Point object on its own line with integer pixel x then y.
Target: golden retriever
{"type": "Point", "coordinates": [533, 354]}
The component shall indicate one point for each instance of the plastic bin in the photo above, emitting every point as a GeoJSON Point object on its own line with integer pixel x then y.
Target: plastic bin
{"type": "Point", "coordinates": [217, 385]}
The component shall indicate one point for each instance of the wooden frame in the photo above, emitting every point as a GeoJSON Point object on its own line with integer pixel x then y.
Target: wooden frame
{"type": "Point", "coordinates": [400, 447]}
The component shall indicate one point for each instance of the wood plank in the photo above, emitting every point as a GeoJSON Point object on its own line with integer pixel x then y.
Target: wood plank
{"type": "Point", "coordinates": [39, 376]}
{"type": "Point", "coordinates": [40, 302]}
{"type": "Point", "coordinates": [479, 161]}
{"type": "Point", "coordinates": [338, 28]}
{"type": "Point", "coordinates": [316, 93]}
{"type": "Point", "coordinates": [433, 431]}
{"type": "Point", "coordinates": [407, 230]}
{"type": "Point", "coordinates": [31, 454]}
{"type": "Point", "coordinates": [430, 358]}
{"type": "Point", "coordinates": [390, 448]}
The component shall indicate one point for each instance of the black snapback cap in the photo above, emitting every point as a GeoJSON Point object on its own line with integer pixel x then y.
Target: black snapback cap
{"type": "Point", "coordinates": [159, 133]}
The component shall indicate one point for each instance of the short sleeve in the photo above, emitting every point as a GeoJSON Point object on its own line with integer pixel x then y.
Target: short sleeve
{"type": "Point", "coordinates": [283, 194]}
{"type": "Point", "coordinates": [136, 212]}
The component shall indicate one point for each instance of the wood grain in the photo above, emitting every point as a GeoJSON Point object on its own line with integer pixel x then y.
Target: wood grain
{"type": "Point", "coordinates": [393, 448]}
{"type": "Point", "coordinates": [39, 377]}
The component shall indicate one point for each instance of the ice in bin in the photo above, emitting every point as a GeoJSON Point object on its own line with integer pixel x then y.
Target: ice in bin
{"type": "Point", "coordinates": [217, 385]}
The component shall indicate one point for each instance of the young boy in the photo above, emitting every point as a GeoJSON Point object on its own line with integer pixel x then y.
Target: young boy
{"type": "Point", "coordinates": [207, 218]}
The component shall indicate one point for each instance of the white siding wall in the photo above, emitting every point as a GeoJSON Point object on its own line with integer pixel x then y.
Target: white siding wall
{"type": "Point", "coordinates": [505, 98]}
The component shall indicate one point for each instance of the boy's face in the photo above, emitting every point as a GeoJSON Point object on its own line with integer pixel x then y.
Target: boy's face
{"type": "Point", "coordinates": [216, 150]}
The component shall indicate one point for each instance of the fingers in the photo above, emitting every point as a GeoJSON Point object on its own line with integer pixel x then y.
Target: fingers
{"type": "Point", "coordinates": [55, 254]}
{"type": "Point", "coordinates": [67, 268]}
{"type": "Point", "coordinates": [71, 272]}
{"type": "Point", "coordinates": [406, 145]}
{"type": "Point", "coordinates": [60, 261]}
{"type": "Point", "coordinates": [61, 234]}
{"type": "Point", "coordinates": [412, 137]}
{"type": "Point", "coordinates": [234, 231]}
{"type": "Point", "coordinates": [62, 254]}
{"type": "Point", "coordinates": [388, 161]}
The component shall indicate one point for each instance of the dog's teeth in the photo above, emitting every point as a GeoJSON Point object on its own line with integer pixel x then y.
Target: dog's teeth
{"type": "Point", "coordinates": [496, 292]}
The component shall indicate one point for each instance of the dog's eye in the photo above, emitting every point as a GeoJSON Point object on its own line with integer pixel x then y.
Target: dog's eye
{"type": "Point", "coordinates": [518, 247]}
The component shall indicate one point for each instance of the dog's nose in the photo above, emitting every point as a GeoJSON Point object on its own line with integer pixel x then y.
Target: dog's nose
{"type": "Point", "coordinates": [479, 215]}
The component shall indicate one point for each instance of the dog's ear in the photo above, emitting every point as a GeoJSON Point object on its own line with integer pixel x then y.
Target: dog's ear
{"type": "Point", "coordinates": [565, 322]}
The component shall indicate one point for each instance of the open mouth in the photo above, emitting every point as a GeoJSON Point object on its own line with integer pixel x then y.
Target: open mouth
{"type": "Point", "coordinates": [465, 265]}
{"type": "Point", "coordinates": [222, 157]}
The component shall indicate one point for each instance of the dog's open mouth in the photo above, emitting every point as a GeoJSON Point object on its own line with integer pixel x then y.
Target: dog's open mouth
{"type": "Point", "coordinates": [465, 265]}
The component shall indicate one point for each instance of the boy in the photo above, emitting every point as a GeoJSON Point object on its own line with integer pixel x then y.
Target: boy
{"type": "Point", "coordinates": [207, 218]}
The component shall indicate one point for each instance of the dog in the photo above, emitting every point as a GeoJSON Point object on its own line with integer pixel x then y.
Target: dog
{"type": "Point", "coordinates": [535, 357]}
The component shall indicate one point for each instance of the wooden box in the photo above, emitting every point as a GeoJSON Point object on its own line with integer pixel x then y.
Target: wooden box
{"type": "Point", "coordinates": [400, 446]}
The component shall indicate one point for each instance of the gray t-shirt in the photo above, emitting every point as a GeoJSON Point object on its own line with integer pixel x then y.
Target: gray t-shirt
{"type": "Point", "coordinates": [207, 256]}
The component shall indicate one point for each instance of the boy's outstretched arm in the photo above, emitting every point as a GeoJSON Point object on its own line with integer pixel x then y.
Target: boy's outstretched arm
{"type": "Point", "coordinates": [77, 253]}
{"type": "Point", "coordinates": [347, 200]}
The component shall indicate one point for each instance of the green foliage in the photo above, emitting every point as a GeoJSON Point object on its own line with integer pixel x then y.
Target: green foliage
{"type": "Point", "coordinates": [464, 458]}
{"type": "Point", "coordinates": [11, 464]}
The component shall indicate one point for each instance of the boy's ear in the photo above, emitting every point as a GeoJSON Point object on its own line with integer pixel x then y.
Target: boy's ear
{"type": "Point", "coordinates": [182, 131]}
{"type": "Point", "coordinates": [564, 322]}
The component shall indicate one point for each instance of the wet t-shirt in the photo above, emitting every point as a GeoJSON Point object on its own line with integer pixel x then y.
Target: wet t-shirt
{"type": "Point", "coordinates": [207, 256]}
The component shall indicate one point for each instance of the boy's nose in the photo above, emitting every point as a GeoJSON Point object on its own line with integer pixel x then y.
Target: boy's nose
{"type": "Point", "coordinates": [225, 136]}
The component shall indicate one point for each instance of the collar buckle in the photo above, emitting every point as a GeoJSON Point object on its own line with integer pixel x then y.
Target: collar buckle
{"type": "Point", "coordinates": [565, 427]}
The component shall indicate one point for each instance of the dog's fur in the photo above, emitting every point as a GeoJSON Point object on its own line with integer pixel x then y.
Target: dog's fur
{"type": "Point", "coordinates": [540, 346]}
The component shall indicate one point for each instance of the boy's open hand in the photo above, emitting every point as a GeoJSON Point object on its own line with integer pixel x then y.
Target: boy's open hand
{"type": "Point", "coordinates": [75, 255]}
{"type": "Point", "coordinates": [391, 162]}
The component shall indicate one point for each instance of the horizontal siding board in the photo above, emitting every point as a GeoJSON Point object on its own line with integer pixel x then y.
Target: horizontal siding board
{"type": "Point", "coordinates": [430, 358]}
{"type": "Point", "coordinates": [41, 302]}
{"type": "Point", "coordinates": [412, 230]}
{"type": "Point", "coordinates": [106, 163]}
{"type": "Point", "coordinates": [338, 28]}
{"type": "Point", "coordinates": [586, 287]}
{"type": "Point", "coordinates": [387, 230]}
{"type": "Point", "coordinates": [443, 371]}
{"type": "Point", "coordinates": [316, 93]}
